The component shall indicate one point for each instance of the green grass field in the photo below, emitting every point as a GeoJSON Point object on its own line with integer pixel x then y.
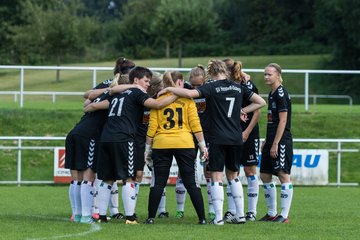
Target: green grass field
{"type": "Point", "coordinates": [43, 213]}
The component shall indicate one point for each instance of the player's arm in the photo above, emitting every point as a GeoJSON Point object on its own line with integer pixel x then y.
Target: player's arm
{"type": "Point", "coordinates": [120, 88]}
{"type": "Point", "coordinates": [252, 124]}
{"type": "Point", "coordinates": [257, 102]}
{"type": "Point", "coordinates": [181, 92]}
{"type": "Point", "coordinates": [94, 93]}
{"type": "Point", "coordinates": [95, 106]}
{"type": "Point", "coordinates": [160, 103]}
{"type": "Point", "coordinates": [279, 133]}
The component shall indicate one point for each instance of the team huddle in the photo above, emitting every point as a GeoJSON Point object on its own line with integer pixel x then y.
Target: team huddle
{"type": "Point", "coordinates": [143, 118]}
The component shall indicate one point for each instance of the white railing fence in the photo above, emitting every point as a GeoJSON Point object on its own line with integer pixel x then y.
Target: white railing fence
{"type": "Point", "coordinates": [21, 145]}
{"type": "Point", "coordinates": [94, 71]}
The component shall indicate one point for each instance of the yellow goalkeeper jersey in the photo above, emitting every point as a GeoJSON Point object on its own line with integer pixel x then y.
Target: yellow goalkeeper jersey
{"type": "Point", "coordinates": [173, 125]}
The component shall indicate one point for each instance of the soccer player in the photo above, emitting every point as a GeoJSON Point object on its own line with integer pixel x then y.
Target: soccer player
{"type": "Point", "coordinates": [170, 135]}
{"type": "Point", "coordinates": [117, 154]}
{"type": "Point", "coordinates": [277, 149]}
{"type": "Point", "coordinates": [223, 103]}
{"type": "Point", "coordinates": [251, 138]}
{"type": "Point", "coordinates": [81, 150]}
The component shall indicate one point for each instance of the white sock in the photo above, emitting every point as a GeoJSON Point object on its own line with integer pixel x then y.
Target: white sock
{"type": "Point", "coordinates": [180, 194]}
{"type": "Point", "coordinates": [128, 197]}
{"type": "Point", "coordinates": [104, 197]}
{"type": "Point", "coordinates": [231, 203]}
{"type": "Point", "coordinates": [210, 203]}
{"type": "Point", "coordinates": [87, 198]}
{"type": "Point", "coordinates": [77, 195]}
{"type": "Point", "coordinates": [253, 193]}
{"type": "Point", "coordinates": [95, 195]}
{"type": "Point", "coordinates": [137, 190]}
{"type": "Point", "coordinates": [72, 196]}
{"type": "Point", "coordinates": [238, 196]}
{"type": "Point", "coordinates": [270, 197]}
{"type": "Point", "coordinates": [217, 195]}
{"type": "Point", "coordinates": [286, 198]}
{"type": "Point", "coordinates": [162, 204]}
{"type": "Point", "coordinates": [114, 199]}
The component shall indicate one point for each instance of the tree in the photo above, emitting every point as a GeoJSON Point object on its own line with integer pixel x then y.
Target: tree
{"type": "Point", "coordinates": [338, 21]}
{"type": "Point", "coordinates": [179, 22]}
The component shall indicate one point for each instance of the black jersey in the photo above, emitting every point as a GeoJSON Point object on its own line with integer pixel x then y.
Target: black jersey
{"type": "Point", "coordinates": [251, 86]}
{"type": "Point", "coordinates": [223, 104]}
{"type": "Point", "coordinates": [124, 116]}
{"type": "Point", "coordinates": [144, 124]}
{"type": "Point", "coordinates": [279, 101]}
{"type": "Point", "coordinates": [91, 124]}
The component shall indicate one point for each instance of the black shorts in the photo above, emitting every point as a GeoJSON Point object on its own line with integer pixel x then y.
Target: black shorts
{"type": "Point", "coordinates": [250, 154]}
{"type": "Point", "coordinates": [140, 150]}
{"type": "Point", "coordinates": [224, 155]}
{"type": "Point", "coordinates": [116, 161]}
{"type": "Point", "coordinates": [80, 152]}
{"type": "Point", "coordinates": [282, 162]}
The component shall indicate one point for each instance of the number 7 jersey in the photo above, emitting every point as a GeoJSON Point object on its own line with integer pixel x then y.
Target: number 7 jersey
{"type": "Point", "coordinates": [173, 125]}
{"type": "Point", "coordinates": [223, 104]}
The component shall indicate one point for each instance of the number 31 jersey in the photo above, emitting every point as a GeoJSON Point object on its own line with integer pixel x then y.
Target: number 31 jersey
{"type": "Point", "coordinates": [173, 125]}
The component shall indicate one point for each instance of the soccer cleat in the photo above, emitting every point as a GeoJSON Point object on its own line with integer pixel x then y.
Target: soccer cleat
{"type": "Point", "coordinates": [95, 216]}
{"type": "Point", "coordinates": [131, 222]}
{"type": "Point", "coordinates": [228, 216]}
{"type": "Point", "coordinates": [214, 222]}
{"type": "Point", "coordinates": [179, 214]}
{"type": "Point", "coordinates": [102, 219]}
{"type": "Point", "coordinates": [118, 216]}
{"type": "Point", "coordinates": [150, 221]}
{"type": "Point", "coordinates": [267, 218]}
{"type": "Point", "coordinates": [236, 220]}
{"type": "Point", "coordinates": [202, 222]}
{"type": "Point", "coordinates": [250, 216]}
{"type": "Point", "coordinates": [77, 218]}
{"type": "Point", "coordinates": [131, 219]}
{"type": "Point", "coordinates": [87, 219]}
{"type": "Point", "coordinates": [163, 215]}
{"type": "Point", "coordinates": [211, 215]}
{"type": "Point", "coordinates": [281, 219]}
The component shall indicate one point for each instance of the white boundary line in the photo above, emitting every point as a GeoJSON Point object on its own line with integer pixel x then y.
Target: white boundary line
{"type": "Point", "coordinates": [93, 228]}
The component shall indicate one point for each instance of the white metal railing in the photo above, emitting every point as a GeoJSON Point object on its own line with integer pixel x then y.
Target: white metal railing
{"type": "Point", "coordinates": [94, 70]}
{"type": "Point", "coordinates": [20, 146]}
{"type": "Point", "coordinates": [54, 94]}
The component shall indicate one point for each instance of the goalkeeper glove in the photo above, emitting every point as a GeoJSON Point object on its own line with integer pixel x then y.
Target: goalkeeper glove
{"type": "Point", "coordinates": [203, 151]}
{"type": "Point", "coordinates": [148, 152]}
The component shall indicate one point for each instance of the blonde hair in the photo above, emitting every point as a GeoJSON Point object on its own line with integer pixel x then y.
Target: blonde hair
{"type": "Point", "coordinates": [155, 84]}
{"type": "Point", "coordinates": [120, 79]}
{"type": "Point", "coordinates": [235, 70]}
{"type": "Point", "coordinates": [170, 78]}
{"type": "Point", "coordinates": [216, 67]}
{"type": "Point", "coordinates": [277, 69]}
{"type": "Point", "coordinates": [198, 71]}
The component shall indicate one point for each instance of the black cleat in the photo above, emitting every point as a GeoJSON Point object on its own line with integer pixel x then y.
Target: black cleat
{"type": "Point", "coordinates": [202, 222]}
{"type": "Point", "coordinates": [250, 216]}
{"type": "Point", "coordinates": [163, 215]}
{"type": "Point", "coordinates": [118, 216]}
{"type": "Point", "coordinates": [267, 218]}
{"type": "Point", "coordinates": [281, 219]}
{"type": "Point", "coordinates": [150, 221]}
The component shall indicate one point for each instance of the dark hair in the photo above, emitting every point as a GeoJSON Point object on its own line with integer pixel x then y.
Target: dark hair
{"type": "Point", "coordinates": [170, 78]}
{"type": "Point", "coordinates": [123, 66]}
{"type": "Point", "coordinates": [139, 72]}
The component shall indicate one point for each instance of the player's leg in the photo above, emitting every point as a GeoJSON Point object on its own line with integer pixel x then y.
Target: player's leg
{"type": "Point", "coordinates": [284, 177]}
{"type": "Point", "coordinates": [180, 191]}
{"type": "Point", "coordinates": [185, 160]}
{"type": "Point", "coordinates": [162, 159]}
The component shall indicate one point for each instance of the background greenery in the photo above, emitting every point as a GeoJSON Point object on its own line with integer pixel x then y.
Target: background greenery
{"type": "Point", "coordinates": [52, 32]}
